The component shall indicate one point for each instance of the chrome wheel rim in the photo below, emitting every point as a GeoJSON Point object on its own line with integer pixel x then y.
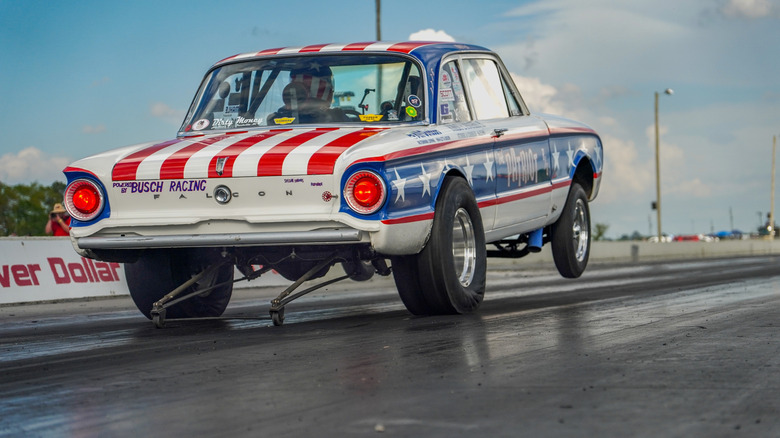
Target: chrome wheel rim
{"type": "Point", "coordinates": [580, 231]}
{"type": "Point", "coordinates": [464, 247]}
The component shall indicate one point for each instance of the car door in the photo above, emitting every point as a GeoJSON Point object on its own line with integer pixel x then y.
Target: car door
{"type": "Point", "coordinates": [521, 145]}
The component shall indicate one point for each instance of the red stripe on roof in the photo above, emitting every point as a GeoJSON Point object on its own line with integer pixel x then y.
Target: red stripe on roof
{"type": "Point", "coordinates": [312, 48]}
{"type": "Point", "coordinates": [408, 46]}
{"type": "Point", "coordinates": [324, 159]}
{"type": "Point", "coordinates": [227, 59]}
{"type": "Point", "coordinates": [270, 163]}
{"type": "Point", "coordinates": [269, 51]}
{"type": "Point", "coordinates": [357, 46]}
{"type": "Point", "coordinates": [173, 166]}
{"type": "Point", "coordinates": [234, 150]}
{"type": "Point", "coordinates": [127, 167]}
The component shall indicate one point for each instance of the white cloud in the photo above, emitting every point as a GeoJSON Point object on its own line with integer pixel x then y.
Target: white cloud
{"type": "Point", "coordinates": [747, 8]}
{"type": "Point", "coordinates": [165, 113]}
{"type": "Point", "coordinates": [431, 35]}
{"type": "Point", "coordinates": [539, 97]}
{"type": "Point", "coordinates": [31, 165]}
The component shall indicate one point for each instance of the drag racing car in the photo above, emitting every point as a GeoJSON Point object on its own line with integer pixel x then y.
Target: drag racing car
{"type": "Point", "coordinates": [416, 159]}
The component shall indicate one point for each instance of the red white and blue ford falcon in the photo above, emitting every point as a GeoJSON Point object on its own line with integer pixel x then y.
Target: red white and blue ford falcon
{"type": "Point", "coordinates": [422, 154]}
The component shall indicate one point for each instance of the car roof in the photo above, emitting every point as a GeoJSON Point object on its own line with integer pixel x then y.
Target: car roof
{"type": "Point", "coordinates": [423, 50]}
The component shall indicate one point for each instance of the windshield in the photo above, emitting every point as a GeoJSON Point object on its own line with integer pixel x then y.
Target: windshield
{"type": "Point", "coordinates": [308, 90]}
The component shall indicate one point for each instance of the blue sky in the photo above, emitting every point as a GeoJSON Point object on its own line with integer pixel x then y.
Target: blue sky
{"type": "Point", "coordinates": [78, 78]}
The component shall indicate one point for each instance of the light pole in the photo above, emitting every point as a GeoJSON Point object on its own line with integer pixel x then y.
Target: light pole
{"type": "Point", "coordinates": [772, 231]}
{"type": "Point", "coordinates": [668, 91]}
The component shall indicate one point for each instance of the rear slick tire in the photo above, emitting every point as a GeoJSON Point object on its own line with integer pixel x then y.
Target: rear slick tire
{"type": "Point", "coordinates": [159, 272]}
{"type": "Point", "coordinates": [448, 276]}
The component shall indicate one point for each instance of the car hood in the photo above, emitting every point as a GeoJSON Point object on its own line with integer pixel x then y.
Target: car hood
{"type": "Point", "coordinates": [274, 152]}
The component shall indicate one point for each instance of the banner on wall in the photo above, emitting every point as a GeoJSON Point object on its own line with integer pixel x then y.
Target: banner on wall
{"type": "Point", "coordinates": [42, 269]}
{"type": "Point", "coordinates": [47, 268]}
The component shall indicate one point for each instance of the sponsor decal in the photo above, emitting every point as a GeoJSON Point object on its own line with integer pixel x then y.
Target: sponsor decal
{"type": "Point", "coordinates": [200, 125]}
{"type": "Point", "coordinates": [446, 94]}
{"type": "Point", "coordinates": [140, 187]}
{"type": "Point", "coordinates": [192, 185]}
{"type": "Point", "coordinates": [370, 117]}
{"type": "Point", "coordinates": [284, 120]}
{"type": "Point", "coordinates": [222, 123]}
{"type": "Point", "coordinates": [414, 101]}
{"type": "Point", "coordinates": [446, 81]}
{"type": "Point", "coordinates": [522, 166]}
{"type": "Point", "coordinates": [411, 111]}
{"type": "Point", "coordinates": [327, 196]}
{"type": "Point", "coordinates": [242, 121]}
{"type": "Point", "coordinates": [293, 180]}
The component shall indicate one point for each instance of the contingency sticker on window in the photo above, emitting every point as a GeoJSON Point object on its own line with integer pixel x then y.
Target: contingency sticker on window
{"type": "Point", "coordinates": [370, 117]}
{"type": "Point", "coordinates": [284, 120]}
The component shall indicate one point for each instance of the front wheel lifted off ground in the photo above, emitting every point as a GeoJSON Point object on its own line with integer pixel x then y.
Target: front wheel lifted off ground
{"type": "Point", "coordinates": [448, 276]}
{"type": "Point", "coordinates": [571, 234]}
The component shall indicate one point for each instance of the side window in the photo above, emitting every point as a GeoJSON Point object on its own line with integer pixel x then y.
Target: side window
{"type": "Point", "coordinates": [452, 98]}
{"type": "Point", "coordinates": [487, 91]}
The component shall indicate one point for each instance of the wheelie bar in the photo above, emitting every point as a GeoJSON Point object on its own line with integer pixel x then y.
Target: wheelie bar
{"type": "Point", "coordinates": [278, 303]}
{"type": "Point", "coordinates": [159, 308]}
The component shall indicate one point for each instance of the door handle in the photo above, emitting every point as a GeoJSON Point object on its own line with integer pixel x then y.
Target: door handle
{"type": "Point", "coordinates": [498, 132]}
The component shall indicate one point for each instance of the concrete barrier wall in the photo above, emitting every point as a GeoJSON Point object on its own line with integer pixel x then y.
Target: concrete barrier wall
{"type": "Point", "coordinates": [633, 252]}
{"type": "Point", "coordinates": [46, 268]}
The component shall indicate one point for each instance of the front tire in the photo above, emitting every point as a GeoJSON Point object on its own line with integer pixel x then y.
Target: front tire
{"type": "Point", "coordinates": [158, 272]}
{"type": "Point", "coordinates": [571, 234]}
{"type": "Point", "coordinates": [448, 276]}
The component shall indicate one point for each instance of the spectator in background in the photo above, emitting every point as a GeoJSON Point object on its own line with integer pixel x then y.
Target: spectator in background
{"type": "Point", "coordinates": [59, 221]}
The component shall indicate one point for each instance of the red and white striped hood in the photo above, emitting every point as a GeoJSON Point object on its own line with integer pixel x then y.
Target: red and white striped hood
{"type": "Point", "coordinates": [275, 152]}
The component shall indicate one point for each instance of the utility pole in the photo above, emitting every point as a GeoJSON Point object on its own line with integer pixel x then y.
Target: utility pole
{"type": "Point", "coordinates": [378, 20]}
{"type": "Point", "coordinates": [772, 201]}
{"type": "Point", "coordinates": [731, 219]}
{"type": "Point", "coordinates": [668, 91]}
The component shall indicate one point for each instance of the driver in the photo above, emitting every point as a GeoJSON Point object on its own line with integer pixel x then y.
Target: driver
{"type": "Point", "coordinates": [308, 96]}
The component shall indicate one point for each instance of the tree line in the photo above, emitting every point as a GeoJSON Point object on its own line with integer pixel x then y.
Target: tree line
{"type": "Point", "coordinates": [24, 208]}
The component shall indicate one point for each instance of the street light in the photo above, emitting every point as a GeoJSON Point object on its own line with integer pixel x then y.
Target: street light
{"type": "Point", "coordinates": [668, 91]}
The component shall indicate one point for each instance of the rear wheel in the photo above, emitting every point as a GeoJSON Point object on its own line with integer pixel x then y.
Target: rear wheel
{"type": "Point", "coordinates": [571, 234]}
{"type": "Point", "coordinates": [158, 272]}
{"type": "Point", "coordinates": [448, 276]}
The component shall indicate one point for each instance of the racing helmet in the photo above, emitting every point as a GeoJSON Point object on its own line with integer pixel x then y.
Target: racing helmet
{"type": "Point", "coordinates": [318, 81]}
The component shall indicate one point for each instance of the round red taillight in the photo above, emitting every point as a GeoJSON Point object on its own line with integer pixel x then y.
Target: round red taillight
{"type": "Point", "coordinates": [365, 192]}
{"type": "Point", "coordinates": [83, 200]}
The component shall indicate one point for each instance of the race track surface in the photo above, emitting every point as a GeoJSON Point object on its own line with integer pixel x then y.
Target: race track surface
{"type": "Point", "coordinates": [673, 349]}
